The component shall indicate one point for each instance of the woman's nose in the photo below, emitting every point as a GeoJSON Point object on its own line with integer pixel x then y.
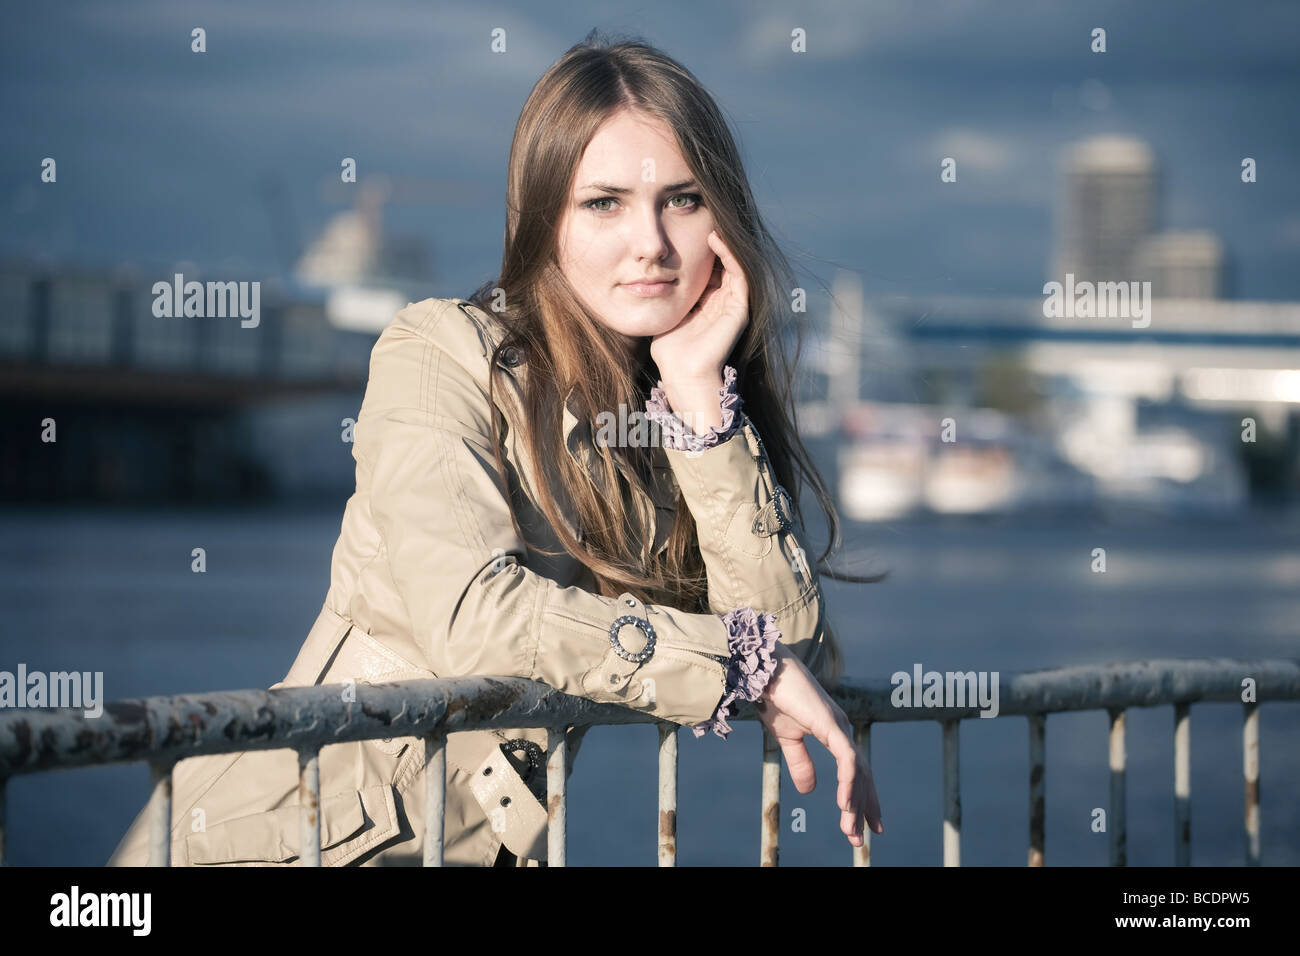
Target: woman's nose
{"type": "Point", "coordinates": [650, 241]}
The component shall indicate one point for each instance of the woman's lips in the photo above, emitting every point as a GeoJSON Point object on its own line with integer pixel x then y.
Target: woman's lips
{"type": "Point", "coordinates": [649, 290]}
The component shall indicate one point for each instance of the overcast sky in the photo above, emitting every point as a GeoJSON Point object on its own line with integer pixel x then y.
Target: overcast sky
{"type": "Point", "coordinates": [163, 154]}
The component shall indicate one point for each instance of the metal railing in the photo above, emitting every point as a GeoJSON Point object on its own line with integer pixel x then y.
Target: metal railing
{"type": "Point", "coordinates": [163, 730]}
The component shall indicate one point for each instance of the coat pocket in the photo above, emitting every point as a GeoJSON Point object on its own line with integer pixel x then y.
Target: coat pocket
{"type": "Point", "coordinates": [313, 657]}
{"type": "Point", "coordinates": [365, 660]}
{"type": "Point", "coordinates": [352, 822]}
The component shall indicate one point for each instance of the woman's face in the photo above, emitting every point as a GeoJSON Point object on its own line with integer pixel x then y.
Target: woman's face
{"type": "Point", "coordinates": [618, 228]}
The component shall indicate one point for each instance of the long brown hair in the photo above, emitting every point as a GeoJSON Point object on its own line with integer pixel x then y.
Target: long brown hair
{"type": "Point", "coordinates": [566, 348]}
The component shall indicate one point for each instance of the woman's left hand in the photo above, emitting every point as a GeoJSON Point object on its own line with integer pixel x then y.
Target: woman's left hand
{"type": "Point", "coordinates": [693, 352]}
{"type": "Point", "coordinates": [794, 706]}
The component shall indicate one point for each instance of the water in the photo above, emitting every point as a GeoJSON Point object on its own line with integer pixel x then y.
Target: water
{"type": "Point", "coordinates": [114, 591]}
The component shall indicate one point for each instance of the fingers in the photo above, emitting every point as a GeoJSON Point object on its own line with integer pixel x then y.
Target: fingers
{"type": "Point", "coordinates": [802, 772]}
{"type": "Point", "coordinates": [731, 266]}
{"type": "Point", "coordinates": [856, 793]}
{"type": "Point", "coordinates": [851, 827]}
{"type": "Point", "coordinates": [850, 795]}
{"type": "Point", "coordinates": [728, 260]}
{"type": "Point", "coordinates": [847, 773]}
{"type": "Point", "coordinates": [796, 707]}
{"type": "Point", "coordinates": [715, 279]}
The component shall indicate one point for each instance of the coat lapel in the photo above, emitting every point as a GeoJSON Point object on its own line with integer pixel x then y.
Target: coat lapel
{"type": "Point", "coordinates": [655, 513]}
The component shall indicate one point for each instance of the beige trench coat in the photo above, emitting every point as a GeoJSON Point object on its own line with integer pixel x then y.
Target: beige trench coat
{"type": "Point", "coordinates": [429, 579]}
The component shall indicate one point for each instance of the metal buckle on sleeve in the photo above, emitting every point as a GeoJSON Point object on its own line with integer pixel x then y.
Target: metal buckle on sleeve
{"type": "Point", "coordinates": [642, 655]}
{"type": "Point", "coordinates": [777, 515]}
{"type": "Point", "coordinates": [531, 751]}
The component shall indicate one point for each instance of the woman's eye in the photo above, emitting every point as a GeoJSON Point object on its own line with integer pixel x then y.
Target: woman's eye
{"type": "Point", "coordinates": [695, 200]}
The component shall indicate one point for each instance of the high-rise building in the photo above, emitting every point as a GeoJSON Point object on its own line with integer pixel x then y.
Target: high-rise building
{"type": "Point", "coordinates": [1106, 209]}
{"type": "Point", "coordinates": [1182, 265]}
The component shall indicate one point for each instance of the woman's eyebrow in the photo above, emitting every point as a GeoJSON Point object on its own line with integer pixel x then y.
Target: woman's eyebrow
{"type": "Point", "coordinates": [623, 190]}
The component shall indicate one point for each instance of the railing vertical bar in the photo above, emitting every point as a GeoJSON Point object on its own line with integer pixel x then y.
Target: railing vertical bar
{"type": "Point", "coordinates": [667, 794]}
{"type": "Point", "coordinates": [1250, 768]}
{"type": "Point", "coordinates": [309, 801]}
{"type": "Point", "coordinates": [557, 747]}
{"type": "Point", "coordinates": [1182, 784]}
{"type": "Point", "coordinates": [862, 737]}
{"type": "Point", "coordinates": [1117, 825]}
{"type": "Point", "coordinates": [951, 795]}
{"type": "Point", "coordinates": [769, 846]}
{"type": "Point", "coordinates": [1037, 787]}
{"type": "Point", "coordinates": [160, 814]}
{"type": "Point", "coordinates": [1180, 683]}
{"type": "Point", "coordinates": [435, 796]}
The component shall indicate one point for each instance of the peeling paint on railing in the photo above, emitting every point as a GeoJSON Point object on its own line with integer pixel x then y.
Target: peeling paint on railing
{"type": "Point", "coordinates": [163, 730]}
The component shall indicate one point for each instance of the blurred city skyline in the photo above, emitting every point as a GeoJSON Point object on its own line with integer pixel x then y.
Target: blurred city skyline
{"type": "Point", "coordinates": [982, 450]}
{"type": "Point", "coordinates": [230, 158]}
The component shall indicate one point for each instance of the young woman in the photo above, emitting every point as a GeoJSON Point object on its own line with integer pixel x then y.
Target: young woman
{"type": "Point", "coordinates": [512, 517]}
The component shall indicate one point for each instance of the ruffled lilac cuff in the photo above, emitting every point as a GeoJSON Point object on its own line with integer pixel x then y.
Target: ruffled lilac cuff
{"type": "Point", "coordinates": [675, 434]}
{"type": "Point", "coordinates": [753, 638]}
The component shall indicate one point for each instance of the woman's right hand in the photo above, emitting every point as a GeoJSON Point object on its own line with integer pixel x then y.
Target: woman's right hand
{"type": "Point", "coordinates": [794, 705]}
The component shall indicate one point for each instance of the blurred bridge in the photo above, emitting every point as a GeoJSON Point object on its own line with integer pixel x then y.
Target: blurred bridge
{"type": "Point", "coordinates": [84, 335]}
{"type": "Point", "coordinates": [150, 407]}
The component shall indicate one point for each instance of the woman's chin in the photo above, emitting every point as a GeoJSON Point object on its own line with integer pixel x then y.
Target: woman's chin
{"type": "Point", "coordinates": [651, 327]}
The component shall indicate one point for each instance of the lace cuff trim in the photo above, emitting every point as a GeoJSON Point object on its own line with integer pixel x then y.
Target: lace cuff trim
{"type": "Point", "coordinates": [753, 638]}
{"type": "Point", "coordinates": [675, 434]}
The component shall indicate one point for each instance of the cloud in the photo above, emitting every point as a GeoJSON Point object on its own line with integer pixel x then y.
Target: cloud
{"type": "Point", "coordinates": [972, 148]}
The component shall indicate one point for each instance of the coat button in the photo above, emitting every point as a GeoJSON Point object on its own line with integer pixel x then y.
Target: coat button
{"type": "Point", "coordinates": [505, 801]}
{"type": "Point", "coordinates": [511, 356]}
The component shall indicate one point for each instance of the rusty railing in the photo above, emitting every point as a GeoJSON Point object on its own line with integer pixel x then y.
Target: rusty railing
{"type": "Point", "coordinates": [163, 730]}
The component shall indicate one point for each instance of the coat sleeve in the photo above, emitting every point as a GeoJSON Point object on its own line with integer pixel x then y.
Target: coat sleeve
{"type": "Point", "coordinates": [752, 550]}
{"type": "Point", "coordinates": [423, 441]}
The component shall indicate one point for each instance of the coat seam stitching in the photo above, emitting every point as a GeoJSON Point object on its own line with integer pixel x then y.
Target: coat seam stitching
{"type": "Point", "coordinates": [468, 524]}
{"type": "Point", "coordinates": [424, 380]}
{"type": "Point", "coordinates": [424, 319]}
{"type": "Point", "coordinates": [539, 603]}
{"type": "Point", "coordinates": [720, 543]}
{"type": "Point", "coordinates": [454, 479]}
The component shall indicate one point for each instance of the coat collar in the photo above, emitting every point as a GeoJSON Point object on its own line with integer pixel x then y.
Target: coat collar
{"type": "Point", "coordinates": [491, 333]}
